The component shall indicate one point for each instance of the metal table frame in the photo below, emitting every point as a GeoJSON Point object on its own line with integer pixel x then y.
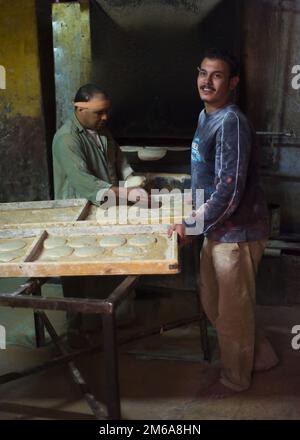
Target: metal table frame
{"type": "Point", "coordinates": [29, 296]}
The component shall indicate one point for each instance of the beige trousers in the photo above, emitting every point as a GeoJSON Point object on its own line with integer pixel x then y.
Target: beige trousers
{"type": "Point", "coordinates": [227, 292]}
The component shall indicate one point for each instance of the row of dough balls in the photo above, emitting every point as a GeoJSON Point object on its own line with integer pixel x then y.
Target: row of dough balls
{"type": "Point", "coordinates": [57, 247]}
{"type": "Point", "coordinates": [11, 249]}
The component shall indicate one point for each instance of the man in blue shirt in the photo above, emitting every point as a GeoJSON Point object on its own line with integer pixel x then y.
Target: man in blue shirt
{"type": "Point", "coordinates": [225, 164]}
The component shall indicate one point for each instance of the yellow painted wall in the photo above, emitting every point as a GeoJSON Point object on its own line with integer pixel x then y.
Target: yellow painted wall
{"type": "Point", "coordinates": [19, 56]}
{"type": "Point", "coordinates": [24, 160]}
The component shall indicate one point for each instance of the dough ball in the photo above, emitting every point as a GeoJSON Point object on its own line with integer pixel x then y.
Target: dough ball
{"type": "Point", "coordinates": [152, 153]}
{"type": "Point", "coordinates": [78, 242]}
{"type": "Point", "coordinates": [127, 251]}
{"type": "Point", "coordinates": [9, 256]}
{"type": "Point", "coordinates": [58, 252]}
{"type": "Point", "coordinates": [112, 241]}
{"type": "Point", "coordinates": [54, 242]}
{"type": "Point", "coordinates": [90, 251]}
{"type": "Point", "coordinates": [142, 240]}
{"type": "Point", "coordinates": [133, 181]}
{"type": "Point", "coordinates": [12, 245]}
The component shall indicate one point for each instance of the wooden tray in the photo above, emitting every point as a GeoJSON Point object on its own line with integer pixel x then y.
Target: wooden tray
{"type": "Point", "coordinates": [163, 215]}
{"type": "Point", "coordinates": [160, 258]}
{"type": "Point", "coordinates": [56, 212]}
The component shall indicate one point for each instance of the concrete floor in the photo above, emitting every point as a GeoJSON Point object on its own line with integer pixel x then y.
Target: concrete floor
{"type": "Point", "coordinates": [160, 377]}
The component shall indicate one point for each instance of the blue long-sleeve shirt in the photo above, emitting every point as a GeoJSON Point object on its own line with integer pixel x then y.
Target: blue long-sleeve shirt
{"type": "Point", "coordinates": [225, 164]}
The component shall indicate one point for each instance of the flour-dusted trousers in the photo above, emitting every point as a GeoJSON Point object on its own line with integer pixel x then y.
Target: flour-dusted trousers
{"type": "Point", "coordinates": [228, 295]}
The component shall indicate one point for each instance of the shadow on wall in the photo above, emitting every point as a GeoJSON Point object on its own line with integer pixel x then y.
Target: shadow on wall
{"type": "Point", "coordinates": [147, 62]}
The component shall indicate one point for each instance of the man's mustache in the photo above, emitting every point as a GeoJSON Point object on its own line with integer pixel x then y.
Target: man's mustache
{"type": "Point", "coordinates": [207, 87]}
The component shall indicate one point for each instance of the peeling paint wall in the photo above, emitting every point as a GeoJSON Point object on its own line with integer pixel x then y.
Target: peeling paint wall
{"type": "Point", "coordinates": [23, 165]}
{"type": "Point", "coordinates": [72, 53]}
{"type": "Point", "coordinates": [272, 97]}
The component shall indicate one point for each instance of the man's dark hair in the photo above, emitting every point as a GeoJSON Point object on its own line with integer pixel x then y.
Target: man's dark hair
{"type": "Point", "coordinates": [215, 53]}
{"type": "Point", "coordinates": [87, 92]}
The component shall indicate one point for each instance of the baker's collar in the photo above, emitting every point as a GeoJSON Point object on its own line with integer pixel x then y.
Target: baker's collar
{"type": "Point", "coordinates": [77, 123]}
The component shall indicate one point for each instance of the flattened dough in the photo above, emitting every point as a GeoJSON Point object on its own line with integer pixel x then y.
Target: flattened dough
{"type": "Point", "coordinates": [152, 153]}
{"type": "Point", "coordinates": [54, 242]}
{"type": "Point", "coordinates": [142, 240]}
{"type": "Point", "coordinates": [58, 252]}
{"type": "Point", "coordinates": [9, 256]}
{"type": "Point", "coordinates": [112, 241]}
{"type": "Point", "coordinates": [12, 245]}
{"type": "Point", "coordinates": [133, 181]}
{"type": "Point", "coordinates": [127, 251]}
{"type": "Point", "coordinates": [81, 242]}
{"type": "Point", "coordinates": [90, 251]}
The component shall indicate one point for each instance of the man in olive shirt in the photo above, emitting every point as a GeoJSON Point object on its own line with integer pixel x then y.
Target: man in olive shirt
{"type": "Point", "coordinates": [87, 163]}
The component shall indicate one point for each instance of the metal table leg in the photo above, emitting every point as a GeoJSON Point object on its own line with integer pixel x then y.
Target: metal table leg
{"type": "Point", "coordinates": [38, 321]}
{"type": "Point", "coordinates": [112, 388]}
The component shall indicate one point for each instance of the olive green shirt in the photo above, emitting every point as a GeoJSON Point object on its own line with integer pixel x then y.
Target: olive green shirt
{"type": "Point", "coordinates": [83, 168]}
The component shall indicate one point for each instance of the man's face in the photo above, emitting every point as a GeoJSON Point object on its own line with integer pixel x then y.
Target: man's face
{"type": "Point", "coordinates": [214, 83]}
{"type": "Point", "coordinates": [95, 119]}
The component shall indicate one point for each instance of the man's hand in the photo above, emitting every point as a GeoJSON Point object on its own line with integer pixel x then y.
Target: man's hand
{"type": "Point", "coordinates": [180, 229]}
{"type": "Point", "coordinates": [133, 195]}
{"type": "Point", "coordinates": [135, 181]}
